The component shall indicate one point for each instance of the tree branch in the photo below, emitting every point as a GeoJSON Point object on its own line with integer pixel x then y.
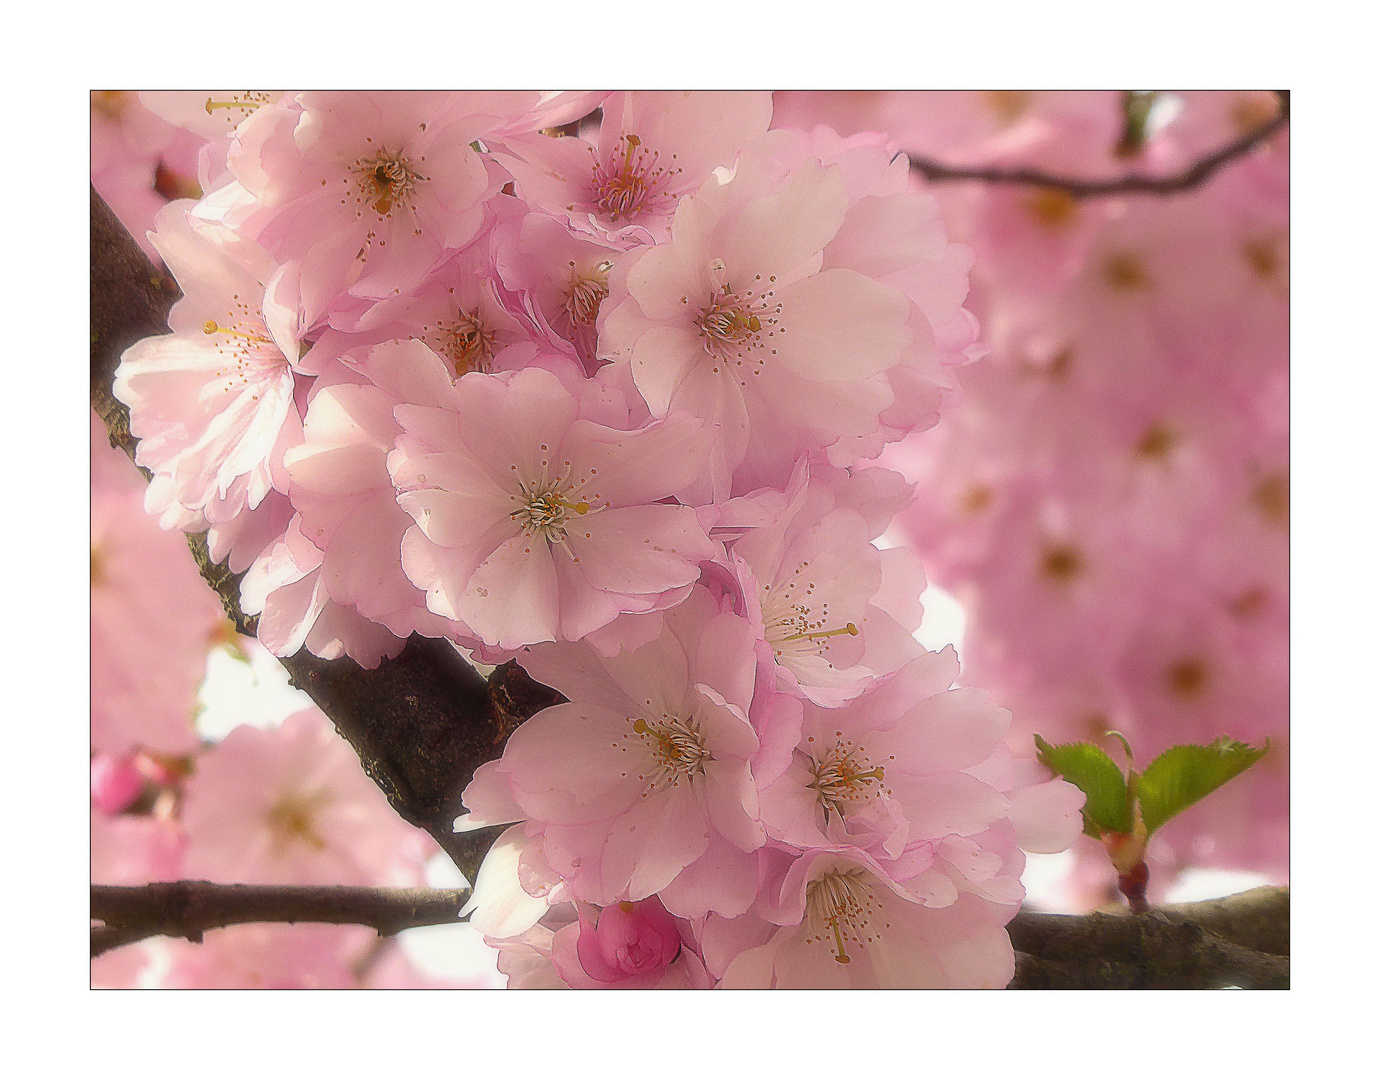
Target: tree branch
{"type": "Point", "coordinates": [421, 723]}
{"type": "Point", "coordinates": [1165, 949]}
{"type": "Point", "coordinates": [187, 909]}
{"type": "Point", "coordinates": [1185, 946]}
{"type": "Point", "coordinates": [1185, 180]}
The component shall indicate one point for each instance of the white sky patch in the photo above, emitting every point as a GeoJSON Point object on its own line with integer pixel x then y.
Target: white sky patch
{"type": "Point", "coordinates": [1210, 884]}
{"type": "Point", "coordinates": [944, 622]}
{"type": "Point", "coordinates": [236, 691]}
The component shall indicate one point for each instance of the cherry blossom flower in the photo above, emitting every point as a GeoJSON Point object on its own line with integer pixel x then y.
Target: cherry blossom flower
{"type": "Point", "coordinates": [888, 768]}
{"type": "Point", "coordinates": [115, 783]}
{"type": "Point", "coordinates": [152, 617]}
{"type": "Point", "coordinates": [341, 486]}
{"type": "Point", "coordinates": [363, 191]}
{"type": "Point", "coordinates": [270, 957]}
{"type": "Point", "coordinates": [563, 275]}
{"type": "Point", "coordinates": [813, 586]}
{"type": "Point", "coordinates": [653, 148]}
{"type": "Point", "coordinates": [212, 403]}
{"type": "Point", "coordinates": [737, 320]}
{"type": "Point", "coordinates": [535, 524]}
{"type": "Point", "coordinates": [292, 805]}
{"type": "Point", "coordinates": [627, 946]}
{"type": "Point", "coordinates": [846, 922]}
{"type": "Point", "coordinates": [139, 161]}
{"type": "Point", "coordinates": [641, 783]}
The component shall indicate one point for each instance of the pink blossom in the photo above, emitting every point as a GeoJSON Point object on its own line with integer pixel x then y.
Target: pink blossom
{"type": "Point", "coordinates": [958, 127]}
{"type": "Point", "coordinates": [535, 524]}
{"type": "Point", "coordinates": [138, 161]}
{"type": "Point", "coordinates": [811, 579]}
{"type": "Point", "coordinates": [341, 487]}
{"type": "Point", "coordinates": [461, 312]}
{"type": "Point", "coordinates": [734, 320]}
{"type": "Point", "coordinates": [133, 849]}
{"type": "Point", "coordinates": [846, 922]}
{"type": "Point", "coordinates": [653, 148]}
{"type": "Point", "coordinates": [641, 783]}
{"type": "Point", "coordinates": [285, 588]}
{"type": "Point", "coordinates": [626, 945]}
{"type": "Point", "coordinates": [364, 191]}
{"type": "Point", "coordinates": [562, 274]}
{"type": "Point", "coordinates": [270, 957]}
{"type": "Point", "coordinates": [293, 806]}
{"type": "Point", "coordinates": [888, 769]}
{"type": "Point", "coordinates": [152, 617]}
{"type": "Point", "coordinates": [212, 403]}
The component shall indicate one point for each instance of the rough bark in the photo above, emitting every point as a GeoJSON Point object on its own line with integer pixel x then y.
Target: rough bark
{"type": "Point", "coordinates": [1173, 948]}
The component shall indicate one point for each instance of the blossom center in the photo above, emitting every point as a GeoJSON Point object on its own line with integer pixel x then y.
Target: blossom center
{"type": "Point", "coordinates": [842, 778]}
{"type": "Point", "coordinates": [1062, 563]}
{"type": "Point", "coordinates": [110, 103]}
{"type": "Point", "coordinates": [468, 344]}
{"type": "Point", "coordinates": [386, 180]}
{"type": "Point", "coordinates": [1188, 678]}
{"type": "Point", "coordinates": [586, 292]}
{"type": "Point", "coordinates": [1271, 498]}
{"type": "Point", "coordinates": [291, 820]}
{"type": "Point", "coordinates": [546, 510]}
{"type": "Point", "coordinates": [737, 324]}
{"type": "Point", "coordinates": [1052, 208]}
{"type": "Point", "coordinates": [626, 186]}
{"type": "Point", "coordinates": [838, 909]}
{"type": "Point", "coordinates": [677, 746]}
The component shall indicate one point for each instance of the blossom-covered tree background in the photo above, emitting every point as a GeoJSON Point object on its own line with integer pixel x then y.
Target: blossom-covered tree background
{"type": "Point", "coordinates": [687, 417]}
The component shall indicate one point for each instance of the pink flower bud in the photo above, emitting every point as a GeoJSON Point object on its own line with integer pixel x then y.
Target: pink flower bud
{"type": "Point", "coordinates": [115, 783]}
{"type": "Point", "coordinates": [628, 939]}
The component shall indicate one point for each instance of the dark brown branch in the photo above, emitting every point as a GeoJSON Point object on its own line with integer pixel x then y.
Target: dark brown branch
{"type": "Point", "coordinates": [421, 723]}
{"type": "Point", "coordinates": [1175, 183]}
{"type": "Point", "coordinates": [1165, 949]}
{"type": "Point", "coordinates": [1184, 946]}
{"type": "Point", "coordinates": [187, 909]}
{"type": "Point", "coordinates": [1257, 918]}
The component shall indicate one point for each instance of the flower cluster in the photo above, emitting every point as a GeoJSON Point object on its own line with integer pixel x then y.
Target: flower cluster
{"type": "Point", "coordinates": [1110, 505]}
{"type": "Point", "coordinates": [609, 402]}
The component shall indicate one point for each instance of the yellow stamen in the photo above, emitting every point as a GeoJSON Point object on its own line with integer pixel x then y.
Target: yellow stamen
{"type": "Point", "coordinates": [850, 630]}
{"type": "Point", "coordinates": [246, 105]}
{"type": "Point", "coordinates": [212, 327]}
{"type": "Point", "coordinates": [842, 955]}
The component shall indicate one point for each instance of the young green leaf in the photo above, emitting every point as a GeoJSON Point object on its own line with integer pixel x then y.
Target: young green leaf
{"type": "Point", "coordinates": [1182, 775]}
{"type": "Point", "coordinates": [1090, 769]}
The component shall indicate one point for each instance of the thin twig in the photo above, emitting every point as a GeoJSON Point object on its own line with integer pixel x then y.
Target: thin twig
{"type": "Point", "coordinates": [1184, 180]}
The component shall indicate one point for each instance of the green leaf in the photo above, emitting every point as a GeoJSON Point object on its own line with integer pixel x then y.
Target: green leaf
{"type": "Point", "coordinates": [1182, 775]}
{"type": "Point", "coordinates": [1090, 769]}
